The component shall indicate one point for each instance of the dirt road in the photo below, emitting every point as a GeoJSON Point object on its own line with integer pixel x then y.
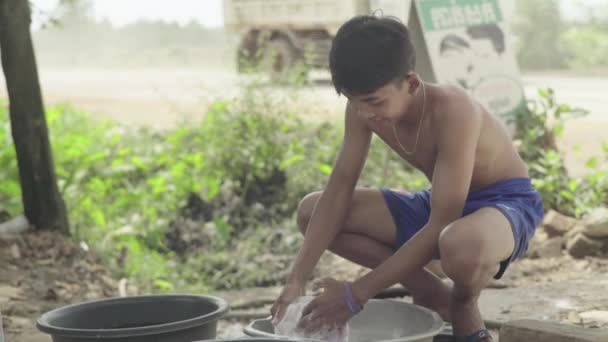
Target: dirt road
{"type": "Point", "coordinates": [161, 97]}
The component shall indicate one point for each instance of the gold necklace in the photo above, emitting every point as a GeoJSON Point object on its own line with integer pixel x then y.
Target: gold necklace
{"type": "Point", "coordinates": [419, 126]}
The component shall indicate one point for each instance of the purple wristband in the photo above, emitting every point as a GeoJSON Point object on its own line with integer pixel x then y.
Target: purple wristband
{"type": "Point", "coordinates": [352, 304]}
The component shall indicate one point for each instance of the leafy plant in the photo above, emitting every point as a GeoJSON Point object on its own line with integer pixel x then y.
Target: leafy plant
{"type": "Point", "coordinates": [537, 131]}
{"type": "Point", "coordinates": [10, 189]}
{"type": "Point", "coordinates": [212, 205]}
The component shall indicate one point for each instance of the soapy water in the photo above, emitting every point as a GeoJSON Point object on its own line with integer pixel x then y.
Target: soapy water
{"type": "Point", "coordinates": [381, 320]}
{"type": "Point", "coordinates": [287, 327]}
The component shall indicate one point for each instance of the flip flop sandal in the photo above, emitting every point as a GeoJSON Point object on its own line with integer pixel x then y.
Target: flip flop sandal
{"type": "Point", "coordinates": [446, 334]}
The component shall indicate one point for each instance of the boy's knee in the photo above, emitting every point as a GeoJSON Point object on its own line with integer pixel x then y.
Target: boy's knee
{"type": "Point", "coordinates": [461, 257]}
{"type": "Point", "coordinates": [305, 209]}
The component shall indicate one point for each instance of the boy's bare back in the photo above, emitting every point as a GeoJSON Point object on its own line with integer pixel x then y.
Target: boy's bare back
{"type": "Point", "coordinates": [448, 109]}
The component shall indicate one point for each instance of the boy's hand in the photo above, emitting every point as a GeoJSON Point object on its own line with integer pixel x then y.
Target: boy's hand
{"type": "Point", "coordinates": [331, 308]}
{"type": "Point", "coordinates": [290, 292]}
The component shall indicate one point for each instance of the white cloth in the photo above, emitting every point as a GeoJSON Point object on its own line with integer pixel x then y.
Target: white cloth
{"type": "Point", "coordinates": [288, 325]}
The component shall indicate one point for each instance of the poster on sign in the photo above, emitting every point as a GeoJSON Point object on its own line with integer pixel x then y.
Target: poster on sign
{"type": "Point", "coordinates": [468, 44]}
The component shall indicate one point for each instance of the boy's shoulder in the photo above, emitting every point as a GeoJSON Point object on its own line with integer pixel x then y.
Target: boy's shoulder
{"type": "Point", "coordinates": [453, 106]}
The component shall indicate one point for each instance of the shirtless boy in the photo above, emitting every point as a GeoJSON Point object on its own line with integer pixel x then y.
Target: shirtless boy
{"type": "Point", "coordinates": [478, 216]}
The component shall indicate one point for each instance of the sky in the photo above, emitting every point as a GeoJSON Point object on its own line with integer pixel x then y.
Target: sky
{"type": "Point", "coordinates": [121, 12]}
{"type": "Point", "coordinates": [207, 12]}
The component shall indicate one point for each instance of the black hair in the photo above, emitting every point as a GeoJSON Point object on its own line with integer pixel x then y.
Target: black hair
{"type": "Point", "coordinates": [368, 52]}
{"type": "Point", "coordinates": [452, 41]}
{"type": "Point", "coordinates": [491, 32]}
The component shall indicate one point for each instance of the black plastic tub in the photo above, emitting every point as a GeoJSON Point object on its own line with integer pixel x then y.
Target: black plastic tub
{"type": "Point", "coordinates": [157, 318]}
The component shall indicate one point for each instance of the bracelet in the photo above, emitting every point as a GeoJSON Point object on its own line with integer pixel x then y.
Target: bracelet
{"type": "Point", "coordinates": [352, 304]}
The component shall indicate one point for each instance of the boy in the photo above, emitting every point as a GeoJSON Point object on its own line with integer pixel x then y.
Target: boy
{"type": "Point", "coordinates": [478, 217]}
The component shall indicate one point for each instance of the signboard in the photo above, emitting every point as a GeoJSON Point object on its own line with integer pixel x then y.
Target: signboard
{"type": "Point", "coordinates": [468, 44]}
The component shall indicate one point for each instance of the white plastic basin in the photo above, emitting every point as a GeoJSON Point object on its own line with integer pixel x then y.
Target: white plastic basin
{"type": "Point", "coordinates": [380, 321]}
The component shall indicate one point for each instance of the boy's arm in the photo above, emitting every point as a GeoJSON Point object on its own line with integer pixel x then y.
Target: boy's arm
{"type": "Point", "coordinates": [457, 135]}
{"type": "Point", "coordinates": [330, 211]}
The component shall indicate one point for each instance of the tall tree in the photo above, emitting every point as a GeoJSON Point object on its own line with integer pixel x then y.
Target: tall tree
{"type": "Point", "coordinates": [42, 202]}
{"type": "Point", "coordinates": [538, 26]}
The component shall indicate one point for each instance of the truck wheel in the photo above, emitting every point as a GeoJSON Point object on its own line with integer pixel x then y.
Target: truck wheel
{"type": "Point", "coordinates": [246, 60]}
{"type": "Point", "coordinates": [281, 60]}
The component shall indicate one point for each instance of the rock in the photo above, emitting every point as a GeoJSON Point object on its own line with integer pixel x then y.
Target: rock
{"type": "Point", "coordinates": [20, 322]}
{"type": "Point", "coordinates": [544, 331]}
{"type": "Point", "coordinates": [574, 318]}
{"type": "Point", "coordinates": [551, 248]}
{"type": "Point", "coordinates": [537, 241]}
{"type": "Point", "coordinates": [577, 229]}
{"type": "Point", "coordinates": [595, 316]}
{"type": "Point", "coordinates": [15, 252]}
{"type": "Point", "coordinates": [9, 292]}
{"type": "Point", "coordinates": [4, 215]}
{"type": "Point", "coordinates": [543, 246]}
{"type": "Point", "coordinates": [15, 225]}
{"type": "Point", "coordinates": [596, 223]}
{"type": "Point", "coordinates": [605, 247]}
{"type": "Point", "coordinates": [581, 246]}
{"type": "Point", "coordinates": [556, 224]}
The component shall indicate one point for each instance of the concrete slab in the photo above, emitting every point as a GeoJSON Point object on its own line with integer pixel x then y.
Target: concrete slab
{"type": "Point", "coordinates": [541, 331]}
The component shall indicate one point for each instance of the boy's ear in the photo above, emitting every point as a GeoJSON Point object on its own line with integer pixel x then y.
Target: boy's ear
{"type": "Point", "coordinates": [413, 82]}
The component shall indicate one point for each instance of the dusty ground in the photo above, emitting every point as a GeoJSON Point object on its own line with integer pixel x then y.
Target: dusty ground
{"type": "Point", "coordinates": [43, 271]}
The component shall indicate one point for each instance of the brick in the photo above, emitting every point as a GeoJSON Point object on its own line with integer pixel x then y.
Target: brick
{"type": "Point", "coordinates": [543, 331]}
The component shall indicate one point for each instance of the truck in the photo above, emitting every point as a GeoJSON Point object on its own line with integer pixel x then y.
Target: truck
{"type": "Point", "coordinates": [287, 37]}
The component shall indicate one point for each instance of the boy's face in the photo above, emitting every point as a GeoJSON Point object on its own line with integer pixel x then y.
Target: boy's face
{"type": "Point", "coordinates": [387, 104]}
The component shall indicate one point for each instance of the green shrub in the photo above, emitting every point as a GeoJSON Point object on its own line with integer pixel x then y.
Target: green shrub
{"type": "Point", "coordinates": [212, 205]}
{"type": "Point", "coordinates": [537, 131]}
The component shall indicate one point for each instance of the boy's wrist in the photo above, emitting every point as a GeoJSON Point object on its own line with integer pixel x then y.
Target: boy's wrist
{"type": "Point", "coordinates": [360, 293]}
{"type": "Point", "coordinates": [296, 280]}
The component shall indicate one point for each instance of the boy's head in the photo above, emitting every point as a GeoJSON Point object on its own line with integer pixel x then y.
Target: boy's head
{"type": "Point", "coordinates": [372, 62]}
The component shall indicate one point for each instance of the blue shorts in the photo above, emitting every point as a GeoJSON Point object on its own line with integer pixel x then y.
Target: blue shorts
{"type": "Point", "coordinates": [515, 198]}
